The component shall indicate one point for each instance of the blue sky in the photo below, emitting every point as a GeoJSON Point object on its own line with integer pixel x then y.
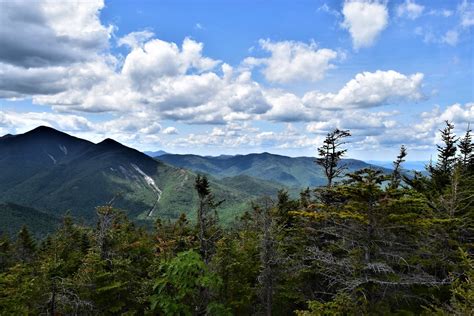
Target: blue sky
{"type": "Point", "coordinates": [229, 77]}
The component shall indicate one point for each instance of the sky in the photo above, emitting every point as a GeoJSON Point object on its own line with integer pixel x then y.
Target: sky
{"type": "Point", "coordinates": [235, 77]}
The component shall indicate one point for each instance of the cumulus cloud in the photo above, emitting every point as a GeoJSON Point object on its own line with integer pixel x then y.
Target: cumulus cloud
{"type": "Point", "coordinates": [247, 137]}
{"type": "Point", "coordinates": [360, 123]}
{"type": "Point", "coordinates": [366, 90]}
{"type": "Point", "coordinates": [158, 80]}
{"type": "Point", "coordinates": [158, 59]}
{"type": "Point", "coordinates": [135, 39]}
{"type": "Point", "coordinates": [365, 20]}
{"type": "Point", "coordinates": [370, 89]}
{"type": "Point", "coordinates": [170, 130]}
{"type": "Point", "coordinates": [20, 122]}
{"type": "Point", "coordinates": [167, 81]}
{"type": "Point", "coordinates": [291, 61]}
{"type": "Point", "coordinates": [410, 9]}
{"type": "Point", "coordinates": [376, 130]}
{"type": "Point", "coordinates": [37, 34]}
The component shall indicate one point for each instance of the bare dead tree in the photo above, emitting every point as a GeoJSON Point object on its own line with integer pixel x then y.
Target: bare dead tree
{"type": "Point", "coordinates": [106, 217]}
{"type": "Point", "coordinates": [207, 218]}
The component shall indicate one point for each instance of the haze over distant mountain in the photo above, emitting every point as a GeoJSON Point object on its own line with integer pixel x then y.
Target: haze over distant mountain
{"type": "Point", "coordinates": [407, 165]}
{"type": "Point", "coordinates": [155, 153]}
{"type": "Point", "coordinates": [56, 173]}
{"type": "Point", "coordinates": [299, 172]}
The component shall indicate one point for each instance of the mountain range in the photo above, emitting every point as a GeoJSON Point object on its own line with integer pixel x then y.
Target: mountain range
{"type": "Point", "coordinates": [291, 172]}
{"type": "Point", "coordinates": [46, 173]}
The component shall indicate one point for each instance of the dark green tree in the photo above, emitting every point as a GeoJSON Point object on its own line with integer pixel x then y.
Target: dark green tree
{"type": "Point", "coordinates": [397, 167]}
{"type": "Point", "coordinates": [330, 154]}
{"type": "Point", "coordinates": [441, 172]}
{"type": "Point", "coordinates": [466, 150]}
{"type": "Point", "coordinates": [178, 288]}
{"type": "Point", "coordinates": [25, 246]}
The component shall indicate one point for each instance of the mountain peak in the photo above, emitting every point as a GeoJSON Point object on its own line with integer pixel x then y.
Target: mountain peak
{"type": "Point", "coordinates": [7, 136]}
{"type": "Point", "coordinates": [44, 129]}
{"type": "Point", "coordinates": [109, 142]}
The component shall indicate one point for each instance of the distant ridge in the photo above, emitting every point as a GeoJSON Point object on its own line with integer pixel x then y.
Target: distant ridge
{"type": "Point", "coordinates": [155, 153]}
{"type": "Point", "coordinates": [297, 172]}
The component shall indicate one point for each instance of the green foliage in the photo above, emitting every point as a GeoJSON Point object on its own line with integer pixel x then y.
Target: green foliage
{"type": "Point", "coordinates": [342, 304]}
{"type": "Point", "coordinates": [180, 284]}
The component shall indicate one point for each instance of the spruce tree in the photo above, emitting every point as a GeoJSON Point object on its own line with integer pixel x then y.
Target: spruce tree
{"type": "Point", "coordinates": [330, 154]}
{"type": "Point", "coordinates": [466, 149]}
{"type": "Point", "coordinates": [25, 245]}
{"type": "Point", "coordinates": [441, 172]}
{"type": "Point", "coordinates": [397, 166]}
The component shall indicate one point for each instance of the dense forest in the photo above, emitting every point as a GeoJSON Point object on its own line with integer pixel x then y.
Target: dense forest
{"type": "Point", "coordinates": [367, 243]}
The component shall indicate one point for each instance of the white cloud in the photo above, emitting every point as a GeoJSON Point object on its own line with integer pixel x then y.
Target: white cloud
{"type": "Point", "coordinates": [135, 39]}
{"type": "Point", "coordinates": [20, 122]}
{"type": "Point", "coordinates": [410, 9]}
{"type": "Point", "coordinates": [466, 12]}
{"type": "Point", "coordinates": [370, 89]}
{"type": "Point", "coordinates": [366, 90]}
{"type": "Point", "coordinates": [158, 80]}
{"type": "Point", "coordinates": [450, 37]}
{"type": "Point", "coordinates": [365, 20]}
{"type": "Point", "coordinates": [158, 58]}
{"type": "Point", "coordinates": [360, 123]}
{"type": "Point", "coordinates": [170, 130]}
{"type": "Point", "coordinates": [293, 61]}
{"type": "Point", "coordinates": [38, 34]}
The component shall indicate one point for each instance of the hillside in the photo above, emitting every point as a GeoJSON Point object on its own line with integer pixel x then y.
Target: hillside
{"type": "Point", "coordinates": [55, 173]}
{"type": "Point", "coordinates": [297, 172]}
{"type": "Point", "coordinates": [14, 216]}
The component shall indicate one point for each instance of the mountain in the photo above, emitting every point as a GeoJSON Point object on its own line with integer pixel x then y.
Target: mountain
{"type": "Point", "coordinates": [298, 172]}
{"type": "Point", "coordinates": [56, 173]}
{"type": "Point", "coordinates": [407, 165]}
{"type": "Point", "coordinates": [155, 153]}
{"type": "Point", "coordinates": [13, 217]}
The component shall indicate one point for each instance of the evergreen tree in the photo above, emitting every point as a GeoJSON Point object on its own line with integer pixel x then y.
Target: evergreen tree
{"type": "Point", "coordinates": [25, 246]}
{"type": "Point", "coordinates": [5, 252]}
{"type": "Point", "coordinates": [397, 166]}
{"type": "Point", "coordinates": [441, 172]}
{"type": "Point", "coordinates": [330, 154]}
{"type": "Point", "coordinates": [466, 149]}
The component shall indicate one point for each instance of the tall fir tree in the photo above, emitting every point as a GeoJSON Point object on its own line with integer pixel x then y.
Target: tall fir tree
{"type": "Point", "coordinates": [331, 153]}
